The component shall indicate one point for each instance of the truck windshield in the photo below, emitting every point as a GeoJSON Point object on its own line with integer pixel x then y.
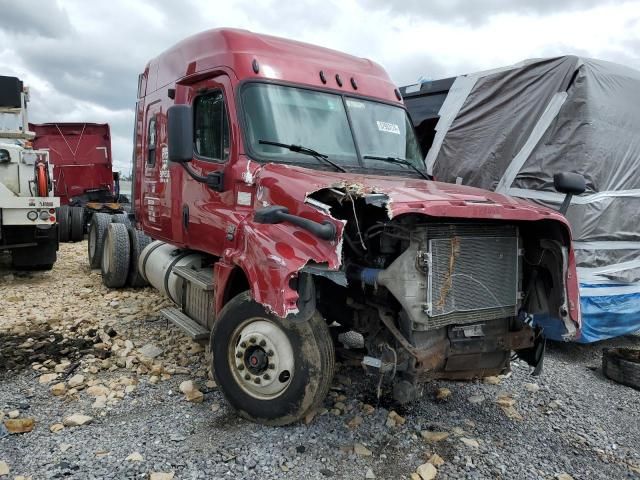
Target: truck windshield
{"type": "Point", "coordinates": [318, 120]}
{"type": "Point", "coordinates": [383, 130]}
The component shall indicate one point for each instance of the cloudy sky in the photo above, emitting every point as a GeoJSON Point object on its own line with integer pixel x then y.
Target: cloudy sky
{"type": "Point", "coordinates": [81, 59]}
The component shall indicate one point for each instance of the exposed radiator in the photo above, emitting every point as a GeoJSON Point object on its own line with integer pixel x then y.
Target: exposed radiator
{"type": "Point", "coordinates": [473, 274]}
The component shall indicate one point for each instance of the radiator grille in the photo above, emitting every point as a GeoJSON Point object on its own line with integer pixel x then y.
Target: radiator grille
{"type": "Point", "coordinates": [472, 278]}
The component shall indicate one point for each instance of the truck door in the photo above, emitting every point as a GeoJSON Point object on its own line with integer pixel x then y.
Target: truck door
{"type": "Point", "coordinates": [156, 192]}
{"type": "Point", "coordinates": [206, 212]}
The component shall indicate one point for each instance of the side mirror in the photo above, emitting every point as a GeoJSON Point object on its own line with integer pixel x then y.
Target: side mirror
{"type": "Point", "coordinates": [570, 184]}
{"type": "Point", "coordinates": [180, 133]}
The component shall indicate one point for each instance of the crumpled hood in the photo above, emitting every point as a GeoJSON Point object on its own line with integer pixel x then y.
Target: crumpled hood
{"type": "Point", "coordinates": [291, 185]}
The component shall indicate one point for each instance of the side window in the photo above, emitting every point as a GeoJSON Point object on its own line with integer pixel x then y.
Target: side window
{"type": "Point", "coordinates": [211, 127]}
{"type": "Point", "coordinates": [151, 142]}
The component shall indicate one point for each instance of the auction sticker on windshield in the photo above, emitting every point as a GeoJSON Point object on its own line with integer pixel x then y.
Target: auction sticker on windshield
{"type": "Point", "coordinates": [355, 104]}
{"type": "Point", "coordinates": [388, 127]}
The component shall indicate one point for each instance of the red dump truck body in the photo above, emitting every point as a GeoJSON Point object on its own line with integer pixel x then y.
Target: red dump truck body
{"type": "Point", "coordinates": [81, 158]}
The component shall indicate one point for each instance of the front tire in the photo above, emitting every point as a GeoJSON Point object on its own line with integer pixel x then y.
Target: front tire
{"type": "Point", "coordinates": [272, 370]}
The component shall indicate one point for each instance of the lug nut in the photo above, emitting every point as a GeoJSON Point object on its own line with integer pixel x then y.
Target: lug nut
{"type": "Point", "coordinates": [238, 354]}
{"type": "Point", "coordinates": [247, 377]}
{"type": "Point", "coordinates": [243, 344]}
{"type": "Point", "coordinates": [270, 353]}
{"type": "Point", "coordinates": [241, 367]}
{"type": "Point", "coordinates": [266, 376]}
{"type": "Point", "coordinates": [272, 366]}
{"type": "Point", "coordinates": [252, 340]}
{"type": "Point", "coordinates": [256, 380]}
{"type": "Point", "coordinates": [262, 343]}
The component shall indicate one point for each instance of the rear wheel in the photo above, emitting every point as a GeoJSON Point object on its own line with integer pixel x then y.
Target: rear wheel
{"type": "Point", "coordinates": [64, 223]}
{"type": "Point", "coordinates": [95, 241]}
{"type": "Point", "coordinates": [116, 255]}
{"type": "Point", "coordinates": [271, 370]}
{"type": "Point", "coordinates": [138, 241]}
{"type": "Point", "coordinates": [77, 224]}
{"type": "Point", "coordinates": [121, 218]}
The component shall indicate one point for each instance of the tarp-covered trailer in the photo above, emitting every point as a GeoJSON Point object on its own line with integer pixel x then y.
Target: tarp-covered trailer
{"type": "Point", "coordinates": [510, 129]}
{"type": "Point", "coordinates": [82, 170]}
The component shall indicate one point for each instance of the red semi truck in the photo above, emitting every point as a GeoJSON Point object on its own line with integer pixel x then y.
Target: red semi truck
{"type": "Point", "coordinates": [290, 210]}
{"type": "Point", "coordinates": [82, 171]}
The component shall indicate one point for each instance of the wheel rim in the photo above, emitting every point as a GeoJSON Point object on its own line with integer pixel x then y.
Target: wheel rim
{"type": "Point", "coordinates": [105, 254]}
{"type": "Point", "coordinates": [261, 358]}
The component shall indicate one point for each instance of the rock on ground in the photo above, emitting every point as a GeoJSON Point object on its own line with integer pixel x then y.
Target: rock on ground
{"type": "Point", "coordinates": [76, 420]}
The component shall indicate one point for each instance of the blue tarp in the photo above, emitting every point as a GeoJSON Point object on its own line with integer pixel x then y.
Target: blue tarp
{"type": "Point", "coordinates": [608, 310]}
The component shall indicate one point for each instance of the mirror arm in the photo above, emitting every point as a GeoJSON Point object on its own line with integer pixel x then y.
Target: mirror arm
{"type": "Point", "coordinates": [194, 175]}
{"type": "Point", "coordinates": [565, 203]}
{"type": "Point", "coordinates": [213, 180]}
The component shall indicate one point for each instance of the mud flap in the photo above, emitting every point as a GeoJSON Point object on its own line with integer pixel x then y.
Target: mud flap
{"type": "Point", "coordinates": [534, 356]}
{"type": "Point", "coordinates": [306, 298]}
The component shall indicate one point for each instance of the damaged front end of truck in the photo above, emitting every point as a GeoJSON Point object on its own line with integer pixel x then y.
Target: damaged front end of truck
{"type": "Point", "coordinates": [420, 280]}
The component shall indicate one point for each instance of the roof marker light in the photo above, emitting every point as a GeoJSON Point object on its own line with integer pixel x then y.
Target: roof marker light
{"type": "Point", "coordinates": [255, 65]}
{"type": "Point", "coordinates": [323, 77]}
{"type": "Point", "coordinates": [397, 92]}
{"type": "Point", "coordinates": [354, 84]}
{"type": "Point", "coordinates": [338, 80]}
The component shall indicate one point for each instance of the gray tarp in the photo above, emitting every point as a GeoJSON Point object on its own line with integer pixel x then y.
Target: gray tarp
{"type": "Point", "coordinates": [511, 129]}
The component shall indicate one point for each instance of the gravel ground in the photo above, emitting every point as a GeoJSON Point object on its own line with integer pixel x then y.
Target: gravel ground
{"type": "Point", "coordinates": [118, 364]}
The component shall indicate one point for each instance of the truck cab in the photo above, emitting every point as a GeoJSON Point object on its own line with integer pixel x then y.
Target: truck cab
{"type": "Point", "coordinates": [293, 218]}
{"type": "Point", "coordinates": [28, 206]}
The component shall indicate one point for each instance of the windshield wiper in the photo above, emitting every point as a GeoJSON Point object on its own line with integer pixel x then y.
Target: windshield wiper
{"type": "Point", "coordinates": [401, 161]}
{"type": "Point", "coordinates": [305, 151]}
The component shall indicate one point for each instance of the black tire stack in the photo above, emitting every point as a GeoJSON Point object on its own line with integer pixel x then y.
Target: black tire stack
{"type": "Point", "coordinates": [622, 365]}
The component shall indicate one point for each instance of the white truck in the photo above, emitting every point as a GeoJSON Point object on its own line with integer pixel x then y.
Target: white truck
{"type": "Point", "coordinates": [28, 228]}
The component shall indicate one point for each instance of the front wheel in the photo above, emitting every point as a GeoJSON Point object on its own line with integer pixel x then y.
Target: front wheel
{"type": "Point", "coordinates": [272, 370]}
